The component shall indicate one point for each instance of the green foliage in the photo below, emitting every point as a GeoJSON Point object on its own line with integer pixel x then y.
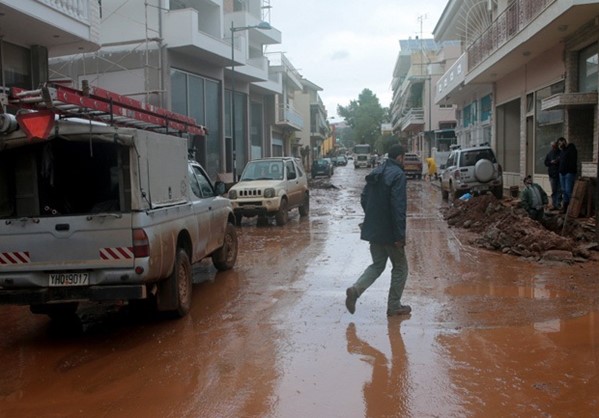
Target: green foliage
{"type": "Point", "coordinates": [364, 116]}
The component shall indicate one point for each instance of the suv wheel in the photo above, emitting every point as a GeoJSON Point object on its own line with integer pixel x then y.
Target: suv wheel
{"type": "Point", "coordinates": [304, 209]}
{"type": "Point", "coordinates": [283, 213]}
{"type": "Point", "coordinates": [498, 192]}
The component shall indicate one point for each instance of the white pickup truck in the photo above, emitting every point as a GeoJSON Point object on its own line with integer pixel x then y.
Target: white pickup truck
{"type": "Point", "coordinates": [100, 213]}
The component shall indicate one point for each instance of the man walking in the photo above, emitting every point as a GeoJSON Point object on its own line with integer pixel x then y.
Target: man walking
{"type": "Point", "coordinates": [384, 202]}
{"type": "Point", "coordinates": [552, 164]}
{"type": "Point", "coordinates": [568, 167]}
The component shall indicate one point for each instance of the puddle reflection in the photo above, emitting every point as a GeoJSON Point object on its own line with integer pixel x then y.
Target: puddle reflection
{"type": "Point", "coordinates": [389, 392]}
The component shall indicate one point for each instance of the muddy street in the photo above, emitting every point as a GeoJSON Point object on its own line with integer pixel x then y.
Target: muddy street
{"type": "Point", "coordinates": [490, 334]}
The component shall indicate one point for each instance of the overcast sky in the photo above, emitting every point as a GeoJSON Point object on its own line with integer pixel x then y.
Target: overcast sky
{"type": "Point", "coordinates": [345, 46]}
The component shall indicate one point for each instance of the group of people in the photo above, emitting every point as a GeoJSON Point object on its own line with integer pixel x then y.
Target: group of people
{"type": "Point", "coordinates": [562, 163]}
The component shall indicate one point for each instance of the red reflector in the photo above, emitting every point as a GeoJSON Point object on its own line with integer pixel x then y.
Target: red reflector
{"type": "Point", "coordinates": [37, 125]}
{"type": "Point", "coordinates": [141, 245]}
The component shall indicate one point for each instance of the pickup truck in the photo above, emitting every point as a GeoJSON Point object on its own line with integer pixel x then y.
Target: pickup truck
{"type": "Point", "coordinates": [100, 213]}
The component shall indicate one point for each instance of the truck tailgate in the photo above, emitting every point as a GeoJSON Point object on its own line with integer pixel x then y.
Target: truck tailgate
{"type": "Point", "coordinates": [66, 243]}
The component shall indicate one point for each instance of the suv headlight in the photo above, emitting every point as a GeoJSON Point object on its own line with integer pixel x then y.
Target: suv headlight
{"type": "Point", "coordinates": [232, 194]}
{"type": "Point", "coordinates": [269, 193]}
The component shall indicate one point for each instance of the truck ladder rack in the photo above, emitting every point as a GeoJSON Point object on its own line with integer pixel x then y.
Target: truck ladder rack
{"type": "Point", "coordinates": [104, 106]}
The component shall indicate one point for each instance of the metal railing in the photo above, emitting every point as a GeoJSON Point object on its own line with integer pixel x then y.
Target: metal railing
{"type": "Point", "coordinates": [77, 9]}
{"type": "Point", "coordinates": [507, 25]}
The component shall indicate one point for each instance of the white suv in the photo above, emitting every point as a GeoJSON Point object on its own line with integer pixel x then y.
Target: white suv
{"type": "Point", "coordinates": [471, 170]}
{"type": "Point", "coordinates": [271, 187]}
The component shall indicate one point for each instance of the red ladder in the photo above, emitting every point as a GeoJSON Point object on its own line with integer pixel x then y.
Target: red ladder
{"type": "Point", "coordinates": [104, 106]}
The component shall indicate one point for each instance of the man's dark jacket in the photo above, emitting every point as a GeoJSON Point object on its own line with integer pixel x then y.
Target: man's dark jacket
{"type": "Point", "coordinates": [553, 167]}
{"type": "Point", "coordinates": [568, 160]}
{"type": "Point", "coordinates": [384, 202]}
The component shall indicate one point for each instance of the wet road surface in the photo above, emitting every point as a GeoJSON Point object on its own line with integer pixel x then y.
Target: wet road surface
{"type": "Point", "coordinates": [489, 334]}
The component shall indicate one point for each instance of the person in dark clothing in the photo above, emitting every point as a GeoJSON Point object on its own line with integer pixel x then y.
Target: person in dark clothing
{"type": "Point", "coordinates": [384, 202]}
{"type": "Point", "coordinates": [568, 167]}
{"type": "Point", "coordinates": [533, 199]}
{"type": "Point", "coordinates": [552, 164]}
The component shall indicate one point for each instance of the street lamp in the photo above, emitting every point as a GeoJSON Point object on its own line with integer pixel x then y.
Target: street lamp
{"type": "Point", "coordinates": [261, 25]}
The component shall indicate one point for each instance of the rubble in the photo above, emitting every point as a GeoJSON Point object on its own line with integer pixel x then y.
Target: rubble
{"type": "Point", "coordinates": [503, 226]}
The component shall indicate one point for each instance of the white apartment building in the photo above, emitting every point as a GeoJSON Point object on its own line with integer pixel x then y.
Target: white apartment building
{"type": "Point", "coordinates": [419, 122]}
{"type": "Point", "coordinates": [191, 57]}
{"type": "Point", "coordinates": [316, 130]}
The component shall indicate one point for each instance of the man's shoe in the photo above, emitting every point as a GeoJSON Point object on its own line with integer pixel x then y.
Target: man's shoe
{"type": "Point", "coordinates": [350, 300]}
{"type": "Point", "coordinates": [402, 310]}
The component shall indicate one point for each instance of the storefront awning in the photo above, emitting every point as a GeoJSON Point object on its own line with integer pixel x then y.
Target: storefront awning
{"type": "Point", "coordinates": [565, 100]}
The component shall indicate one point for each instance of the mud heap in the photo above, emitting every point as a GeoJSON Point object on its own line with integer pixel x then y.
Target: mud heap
{"type": "Point", "coordinates": [503, 226]}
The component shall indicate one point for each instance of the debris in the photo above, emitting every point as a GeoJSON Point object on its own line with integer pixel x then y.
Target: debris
{"type": "Point", "coordinates": [503, 226]}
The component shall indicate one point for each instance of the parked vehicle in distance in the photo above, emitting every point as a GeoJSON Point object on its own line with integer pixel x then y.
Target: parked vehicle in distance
{"type": "Point", "coordinates": [320, 168]}
{"type": "Point", "coordinates": [271, 187]}
{"type": "Point", "coordinates": [362, 157]}
{"type": "Point", "coordinates": [471, 170]}
{"type": "Point", "coordinates": [412, 165]}
{"type": "Point", "coordinates": [341, 160]}
{"type": "Point", "coordinates": [331, 164]}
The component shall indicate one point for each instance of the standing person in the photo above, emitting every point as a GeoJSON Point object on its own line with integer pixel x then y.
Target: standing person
{"type": "Point", "coordinates": [533, 199]}
{"type": "Point", "coordinates": [432, 168]}
{"type": "Point", "coordinates": [568, 165]}
{"type": "Point", "coordinates": [384, 202]}
{"type": "Point", "coordinates": [552, 164]}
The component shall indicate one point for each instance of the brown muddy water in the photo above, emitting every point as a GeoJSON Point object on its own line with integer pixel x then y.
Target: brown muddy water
{"type": "Point", "coordinates": [489, 334]}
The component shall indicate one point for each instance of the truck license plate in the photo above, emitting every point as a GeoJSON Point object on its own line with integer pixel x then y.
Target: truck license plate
{"type": "Point", "coordinates": [68, 279]}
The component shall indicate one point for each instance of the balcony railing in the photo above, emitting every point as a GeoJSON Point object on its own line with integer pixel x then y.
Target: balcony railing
{"type": "Point", "coordinates": [77, 9]}
{"type": "Point", "coordinates": [287, 115]}
{"type": "Point", "coordinates": [507, 25]}
{"type": "Point", "coordinates": [414, 116]}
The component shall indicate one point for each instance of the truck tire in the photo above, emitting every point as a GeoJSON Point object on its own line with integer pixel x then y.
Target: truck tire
{"type": "Point", "coordinates": [283, 214]}
{"type": "Point", "coordinates": [224, 258]}
{"type": "Point", "coordinates": [174, 295]}
{"type": "Point", "coordinates": [238, 219]}
{"type": "Point", "coordinates": [304, 209]}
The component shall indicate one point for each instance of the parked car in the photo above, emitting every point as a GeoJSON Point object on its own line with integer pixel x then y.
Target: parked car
{"type": "Point", "coordinates": [271, 187]}
{"type": "Point", "coordinates": [321, 168]}
{"type": "Point", "coordinates": [341, 160]}
{"type": "Point", "coordinates": [412, 165]}
{"type": "Point", "coordinates": [471, 170]}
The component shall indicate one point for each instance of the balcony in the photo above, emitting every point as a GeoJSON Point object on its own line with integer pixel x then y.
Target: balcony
{"type": "Point", "coordinates": [523, 31]}
{"type": "Point", "coordinates": [262, 37]}
{"type": "Point", "coordinates": [413, 120]}
{"type": "Point", "coordinates": [288, 117]}
{"type": "Point", "coordinates": [62, 26]}
{"type": "Point", "coordinates": [452, 81]}
{"type": "Point", "coordinates": [508, 24]}
{"type": "Point", "coordinates": [184, 33]}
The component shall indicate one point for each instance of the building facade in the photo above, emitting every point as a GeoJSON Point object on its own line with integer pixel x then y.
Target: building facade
{"type": "Point", "coordinates": [201, 59]}
{"type": "Point", "coordinates": [416, 119]}
{"type": "Point", "coordinates": [528, 74]}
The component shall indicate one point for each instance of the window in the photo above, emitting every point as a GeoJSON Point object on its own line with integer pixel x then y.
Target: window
{"type": "Point", "coordinates": [485, 108]}
{"type": "Point", "coordinates": [17, 66]}
{"type": "Point", "coordinates": [588, 62]}
{"type": "Point", "coordinates": [205, 185]}
{"type": "Point", "coordinates": [548, 127]}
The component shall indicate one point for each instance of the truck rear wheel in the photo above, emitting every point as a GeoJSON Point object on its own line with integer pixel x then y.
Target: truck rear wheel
{"type": "Point", "coordinates": [224, 258]}
{"type": "Point", "coordinates": [174, 295]}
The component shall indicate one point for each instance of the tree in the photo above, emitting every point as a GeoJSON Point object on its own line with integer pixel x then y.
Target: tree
{"type": "Point", "coordinates": [364, 116]}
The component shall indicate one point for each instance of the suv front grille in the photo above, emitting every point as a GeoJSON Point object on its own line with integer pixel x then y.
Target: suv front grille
{"type": "Point", "coordinates": [250, 193]}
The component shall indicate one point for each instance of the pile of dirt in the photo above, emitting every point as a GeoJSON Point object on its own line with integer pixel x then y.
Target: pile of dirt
{"type": "Point", "coordinates": [503, 226]}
